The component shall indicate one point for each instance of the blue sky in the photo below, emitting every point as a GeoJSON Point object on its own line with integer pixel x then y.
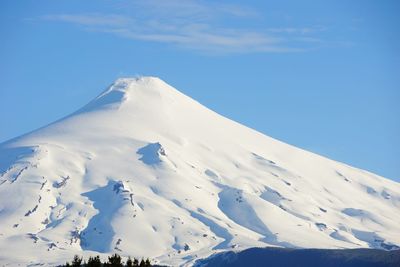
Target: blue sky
{"type": "Point", "coordinates": [321, 75]}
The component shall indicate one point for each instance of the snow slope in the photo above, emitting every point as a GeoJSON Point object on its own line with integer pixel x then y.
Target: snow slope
{"type": "Point", "coordinates": [144, 170]}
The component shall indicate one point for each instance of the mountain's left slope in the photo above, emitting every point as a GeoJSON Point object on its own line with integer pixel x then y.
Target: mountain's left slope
{"type": "Point", "coordinates": [144, 170]}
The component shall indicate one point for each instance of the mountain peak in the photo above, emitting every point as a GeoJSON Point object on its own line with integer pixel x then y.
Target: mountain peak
{"type": "Point", "coordinates": [127, 85]}
{"type": "Point", "coordinates": [124, 83]}
{"type": "Point", "coordinates": [126, 88]}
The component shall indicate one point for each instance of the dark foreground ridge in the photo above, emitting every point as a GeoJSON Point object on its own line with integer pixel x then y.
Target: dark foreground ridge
{"type": "Point", "coordinates": [283, 257]}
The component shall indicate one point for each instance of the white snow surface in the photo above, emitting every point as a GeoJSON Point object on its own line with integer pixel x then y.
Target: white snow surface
{"type": "Point", "coordinates": [145, 171]}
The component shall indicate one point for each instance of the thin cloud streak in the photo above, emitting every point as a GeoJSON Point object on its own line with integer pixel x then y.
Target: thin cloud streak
{"type": "Point", "coordinates": [91, 19]}
{"type": "Point", "coordinates": [211, 42]}
{"type": "Point", "coordinates": [195, 9]}
{"type": "Point", "coordinates": [193, 25]}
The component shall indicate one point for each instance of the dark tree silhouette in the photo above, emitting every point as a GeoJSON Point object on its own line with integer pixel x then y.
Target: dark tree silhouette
{"type": "Point", "coordinates": [94, 262]}
{"type": "Point", "coordinates": [115, 261]}
{"type": "Point", "coordinates": [129, 262]}
{"type": "Point", "coordinates": [77, 261]}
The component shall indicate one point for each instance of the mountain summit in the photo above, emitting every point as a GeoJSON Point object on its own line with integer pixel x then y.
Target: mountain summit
{"type": "Point", "coordinates": [131, 91]}
{"type": "Point", "coordinates": [145, 171]}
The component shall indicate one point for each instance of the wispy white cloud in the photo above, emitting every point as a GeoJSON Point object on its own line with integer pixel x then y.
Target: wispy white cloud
{"type": "Point", "coordinates": [193, 24]}
{"type": "Point", "coordinates": [195, 9]}
{"type": "Point", "coordinates": [297, 30]}
{"type": "Point", "coordinates": [91, 19]}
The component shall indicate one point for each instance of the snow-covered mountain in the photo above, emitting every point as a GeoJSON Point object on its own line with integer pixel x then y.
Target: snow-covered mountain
{"type": "Point", "coordinates": [144, 170]}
